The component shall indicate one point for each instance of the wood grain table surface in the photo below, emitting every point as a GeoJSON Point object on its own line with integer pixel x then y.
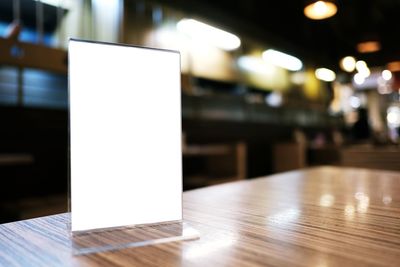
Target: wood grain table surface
{"type": "Point", "coordinates": [319, 217]}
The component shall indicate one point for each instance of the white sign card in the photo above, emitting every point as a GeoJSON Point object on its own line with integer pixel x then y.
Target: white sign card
{"type": "Point", "coordinates": [125, 135]}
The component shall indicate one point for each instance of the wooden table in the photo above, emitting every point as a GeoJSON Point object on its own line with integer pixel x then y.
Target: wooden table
{"type": "Point", "coordinates": [318, 217]}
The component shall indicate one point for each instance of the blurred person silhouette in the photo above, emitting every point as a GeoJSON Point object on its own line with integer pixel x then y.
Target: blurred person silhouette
{"type": "Point", "coordinates": [361, 130]}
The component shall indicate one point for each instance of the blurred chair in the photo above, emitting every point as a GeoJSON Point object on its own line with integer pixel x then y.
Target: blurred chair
{"type": "Point", "coordinates": [209, 164]}
{"type": "Point", "coordinates": [289, 156]}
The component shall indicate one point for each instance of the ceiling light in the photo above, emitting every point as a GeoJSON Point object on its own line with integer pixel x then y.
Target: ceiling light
{"type": "Point", "coordinates": [394, 66]}
{"type": "Point", "coordinates": [204, 32]}
{"type": "Point", "coordinates": [386, 75]}
{"type": "Point", "coordinates": [362, 68]}
{"type": "Point", "coordinates": [365, 72]}
{"type": "Point", "coordinates": [320, 10]}
{"type": "Point", "coordinates": [348, 64]}
{"type": "Point", "coordinates": [359, 78]}
{"type": "Point", "coordinates": [361, 64]}
{"type": "Point", "coordinates": [57, 3]}
{"type": "Point", "coordinates": [282, 60]}
{"type": "Point", "coordinates": [368, 47]}
{"type": "Point", "coordinates": [255, 64]}
{"type": "Point", "coordinates": [325, 74]}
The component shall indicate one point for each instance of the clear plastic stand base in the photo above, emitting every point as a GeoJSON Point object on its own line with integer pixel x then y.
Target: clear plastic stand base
{"type": "Point", "coordinates": [96, 241]}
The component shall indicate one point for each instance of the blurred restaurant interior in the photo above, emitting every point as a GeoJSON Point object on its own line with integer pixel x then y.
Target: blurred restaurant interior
{"type": "Point", "coordinates": [267, 87]}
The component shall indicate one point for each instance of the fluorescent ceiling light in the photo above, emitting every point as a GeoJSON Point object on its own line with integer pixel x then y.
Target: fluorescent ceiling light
{"type": "Point", "coordinates": [255, 64]}
{"type": "Point", "coordinates": [325, 74]}
{"type": "Point", "coordinates": [57, 3]}
{"type": "Point", "coordinates": [320, 10]}
{"type": "Point", "coordinates": [282, 60]}
{"type": "Point", "coordinates": [206, 33]}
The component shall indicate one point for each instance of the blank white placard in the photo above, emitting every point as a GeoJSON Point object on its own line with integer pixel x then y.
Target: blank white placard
{"type": "Point", "coordinates": [125, 135]}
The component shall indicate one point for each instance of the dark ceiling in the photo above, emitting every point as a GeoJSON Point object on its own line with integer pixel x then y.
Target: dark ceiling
{"type": "Point", "coordinates": [281, 23]}
{"type": "Point", "coordinates": [28, 14]}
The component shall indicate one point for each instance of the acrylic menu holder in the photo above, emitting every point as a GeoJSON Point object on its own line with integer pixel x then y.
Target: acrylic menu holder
{"type": "Point", "coordinates": [96, 241]}
{"type": "Point", "coordinates": [125, 147]}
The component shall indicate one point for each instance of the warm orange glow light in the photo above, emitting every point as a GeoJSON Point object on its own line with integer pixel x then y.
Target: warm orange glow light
{"type": "Point", "coordinates": [394, 66]}
{"type": "Point", "coordinates": [320, 10]}
{"type": "Point", "coordinates": [368, 47]}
